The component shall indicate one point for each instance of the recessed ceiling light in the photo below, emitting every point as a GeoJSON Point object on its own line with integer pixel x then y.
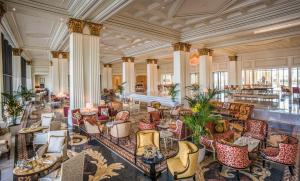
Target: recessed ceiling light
{"type": "Point", "coordinates": [104, 27]}
{"type": "Point", "coordinates": [14, 9]}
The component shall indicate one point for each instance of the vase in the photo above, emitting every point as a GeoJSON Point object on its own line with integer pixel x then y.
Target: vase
{"type": "Point", "coordinates": [201, 153]}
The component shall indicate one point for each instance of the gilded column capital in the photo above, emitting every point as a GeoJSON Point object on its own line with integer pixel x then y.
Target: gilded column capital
{"type": "Point", "coordinates": [151, 61]}
{"type": "Point", "coordinates": [55, 54]}
{"type": "Point", "coordinates": [128, 59]}
{"type": "Point", "coordinates": [205, 51]}
{"type": "Point", "coordinates": [2, 10]}
{"type": "Point", "coordinates": [108, 65]}
{"type": "Point", "coordinates": [94, 28]}
{"type": "Point", "coordinates": [17, 51]}
{"type": "Point", "coordinates": [75, 25]}
{"type": "Point", "coordinates": [29, 62]}
{"type": "Point", "coordinates": [232, 58]}
{"type": "Point", "coordinates": [180, 46]}
{"type": "Point", "coordinates": [51, 63]}
{"type": "Point", "coordinates": [65, 55]}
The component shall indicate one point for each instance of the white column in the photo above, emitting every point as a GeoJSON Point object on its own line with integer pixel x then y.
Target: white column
{"type": "Point", "coordinates": [76, 71]}
{"type": "Point", "coordinates": [109, 76]}
{"type": "Point", "coordinates": [16, 68]}
{"type": "Point", "coordinates": [55, 73]}
{"type": "Point", "coordinates": [1, 77]}
{"type": "Point", "coordinates": [132, 75]}
{"type": "Point", "coordinates": [49, 77]}
{"type": "Point", "coordinates": [104, 77]}
{"type": "Point", "coordinates": [152, 77]}
{"type": "Point", "coordinates": [93, 65]}
{"type": "Point", "coordinates": [63, 72]}
{"type": "Point", "coordinates": [28, 75]}
{"type": "Point", "coordinates": [205, 64]}
{"type": "Point", "coordinates": [180, 61]}
{"type": "Point", "coordinates": [290, 63]}
{"type": "Point", "coordinates": [126, 74]}
{"type": "Point", "coordinates": [232, 71]}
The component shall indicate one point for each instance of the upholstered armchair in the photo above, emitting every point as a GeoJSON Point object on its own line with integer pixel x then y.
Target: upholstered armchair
{"type": "Point", "coordinates": [234, 108]}
{"type": "Point", "coordinates": [66, 111]}
{"type": "Point", "coordinates": [122, 116]}
{"type": "Point", "coordinates": [146, 125]}
{"type": "Point", "coordinates": [184, 164]}
{"type": "Point", "coordinates": [175, 111]}
{"type": "Point", "coordinates": [257, 129]}
{"type": "Point", "coordinates": [180, 131]}
{"type": "Point", "coordinates": [144, 139]}
{"type": "Point", "coordinates": [154, 117]}
{"type": "Point", "coordinates": [103, 113]}
{"type": "Point", "coordinates": [284, 154]}
{"type": "Point", "coordinates": [244, 112]}
{"type": "Point", "coordinates": [233, 156]}
{"type": "Point", "coordinates": [76, 118]}
{"type": "Point", "coordinates": [92, 127]}
{"type": "Point", "coordinates": [5, 144]}
{"type": "Point", "coordinates": [212, 135]}
{"type": "Point", "coordinates": [121, 130]}
{"type": "Point", "coordinates": [72, 169]}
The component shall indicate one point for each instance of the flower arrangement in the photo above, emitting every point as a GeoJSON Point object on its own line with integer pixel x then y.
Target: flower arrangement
{"type": "Point", "coordinates": [12, 107]}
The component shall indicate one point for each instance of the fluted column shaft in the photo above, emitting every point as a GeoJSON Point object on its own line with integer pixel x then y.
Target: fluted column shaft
{"type": "Point", "coordinates": [152, 77]}
{"type": "Point", "coordinates": [76, 71]}
{"type": "Point", "coordinates": [109, 77]}
{"type": "Point", "coordinates": [104, 78]}
{"type": "Point", "coordinates": [205, 65]}
{"type": "Point", "coordinates": [16, 68]}
{"type": "Point", "coordinates": [132, 76]}
{"type": "Point", "coordinates": [55, 76]}
{"type": "Point", "coordinates": [63, 75]}
{"type": "Point", "coordinates": [28, 76]}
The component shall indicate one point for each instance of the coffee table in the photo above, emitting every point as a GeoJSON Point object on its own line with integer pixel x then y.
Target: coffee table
{"type": "Point", "coordinates": [152, 162]}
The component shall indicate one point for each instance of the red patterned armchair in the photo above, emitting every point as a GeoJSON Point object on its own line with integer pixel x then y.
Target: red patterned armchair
{"type": "Point", "coordinates": [284, 154]}
{"type": "Point", "coordinates": [234, 108]}
{"type": "Point", "coordinates": [233, 156]}
{"type": "Point", "coordinates": [212, 135]}
{"type": "Point", "coordinates": [257, 129]}
{"type": "Point", "coordinates": [181, 132]}
{"type": "Point", "coordinates": [66, 111]}
{"type": "Point", "coordinates": [145, 125]}
{"type": "Point", "coordinates": [151, 122]}
{"type": "Point", "coordinates": [103, 113]}
{"type": "Point", "coordinates": [122, 116]}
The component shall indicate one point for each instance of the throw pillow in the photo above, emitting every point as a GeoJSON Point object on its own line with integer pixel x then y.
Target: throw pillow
{"type": "Point", "coordinates": [55, 144]}
{"type": "Point", "coordinates": [276, 139]}
{"type": "Point", "coordinates": [146, 139]}
{"type": "Point", "coordinates": [184, 154]}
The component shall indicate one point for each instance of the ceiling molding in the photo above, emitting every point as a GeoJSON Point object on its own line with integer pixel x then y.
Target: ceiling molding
{"type": "Point", "coordinates": [274, 14]}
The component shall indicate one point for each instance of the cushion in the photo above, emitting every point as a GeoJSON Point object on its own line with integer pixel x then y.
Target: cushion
{"type": "Point", "coordinates": [146, 139]}
{"type": "Point", "coordinates": [104, 111]}
{"type": "Point", "coordinates": [103, 117]}
{"type": "Point", "coordinates": [56, 144]}
{"type": "Point", "coordinates": [42, 150]}
{"type": "Point", "coordinates": [184, 154]}
{"type": "Point", "coordinates": [77, 115]}
{"type": "Point", "coordinates": [275, 139]}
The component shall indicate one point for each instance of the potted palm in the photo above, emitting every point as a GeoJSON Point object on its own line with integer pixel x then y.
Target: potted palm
{"type": "Point", "coordinates": [173, 91]}
{"type": "Point", "coordinates": [12, 110]}
{"type": "Point", "coordinates": [201, 115]}
{"type": "Point", "coordinates": [25, 94]}
{"type": "Point", "coordinates": [120, 89]}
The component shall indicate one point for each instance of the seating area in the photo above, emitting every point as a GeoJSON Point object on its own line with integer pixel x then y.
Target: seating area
{"type": "Point", "coordinates": [144, 90]}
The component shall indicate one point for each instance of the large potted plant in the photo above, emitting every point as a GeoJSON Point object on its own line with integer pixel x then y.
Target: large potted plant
{"type": "Point", "coordinates": [173, 91]}
{"type": "Point", "coordinates": [120, 89]}
{"type": "Point", "coordinates": [201, 115]}
{"type": "Point", "coordinates": [25, 94]}
{"type": "Point", "coordinates": [12, 110]}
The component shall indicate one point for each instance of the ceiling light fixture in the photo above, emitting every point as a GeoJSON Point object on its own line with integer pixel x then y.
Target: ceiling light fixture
{"type": "Point", "coordinates": [277, 27]}
{"type": "Point", "coordinates": [14, 9]}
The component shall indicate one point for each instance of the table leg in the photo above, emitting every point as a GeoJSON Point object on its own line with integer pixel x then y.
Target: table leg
{"type": "Point", "coordinates": [152, 172]}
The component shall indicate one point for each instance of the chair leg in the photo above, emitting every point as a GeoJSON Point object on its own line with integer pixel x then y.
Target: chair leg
{"type": "Point", "coordinates": [220, 168]}
{"type": "Point", "coordinates": [238, 175]}
{"type": "Point", "coordinates": [291, 168]}
{"type": "Point", "coordinates": [264, 163]}
{"type": "Point", "coordinates": [194, 178]}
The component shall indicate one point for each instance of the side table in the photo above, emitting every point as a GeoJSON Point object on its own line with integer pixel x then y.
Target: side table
{"type": "Point", "coordinates": [152, 162]}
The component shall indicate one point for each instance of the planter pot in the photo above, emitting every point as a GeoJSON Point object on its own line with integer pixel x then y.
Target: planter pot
{"type": "Point", "coordinates": [201, 153]}
{"type": "Point", "coordinates": [14, 129]}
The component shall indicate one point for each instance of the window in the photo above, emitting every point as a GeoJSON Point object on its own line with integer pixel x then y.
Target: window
{"type": "Point", "coordinates": [194, 78]}
{"type": "Point", "coordinates": [167, 78]}
{"type": "Point", "coordinates": [296, 77]}
{"type": "Point", "coordinates": [220, 79]}
{"type": "Point", "coordinates": [247, 77]}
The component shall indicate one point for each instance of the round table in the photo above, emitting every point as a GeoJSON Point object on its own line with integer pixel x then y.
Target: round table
{"type": "Point", "coordinates": [42, 164]}
{"type": "Point", "coordinates": [152, 162]}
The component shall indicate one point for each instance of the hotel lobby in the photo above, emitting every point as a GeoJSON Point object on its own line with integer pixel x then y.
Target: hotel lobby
{"type": "Point", "coordinates": [146, 90]}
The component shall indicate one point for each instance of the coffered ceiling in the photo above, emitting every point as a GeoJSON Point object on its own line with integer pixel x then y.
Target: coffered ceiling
{"type": "Point", "coordinates": [147, 28]}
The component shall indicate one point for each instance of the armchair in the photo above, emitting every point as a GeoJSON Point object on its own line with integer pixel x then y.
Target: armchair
{"type": "Point", "coordinates": [233, 156]}
{"type": "Point", "coordinates": [92, 128]}
{"type": "Point", "coordinates": [284, 154]}
{"type": "Point", "coordinates": [184, 164]}
{"type": "Point", "coordinates": [5, 143]}
{"type": "Point", "coordinates": [145, 138]}
{"type": "Point", "coordinates": [244, 112]}
{"type": "Point", "coordinates": [121, 130]}
{"type": "Point", "coordinates": [76, 118]}
{"type": "Point", "coordinates": [154, 117]}
{"type": "Point", "coordinates": [257, 129]}
{"type": "Point", "coordinates": [103, 113]}
{"type": "Point", "coordinates": [180, 132]}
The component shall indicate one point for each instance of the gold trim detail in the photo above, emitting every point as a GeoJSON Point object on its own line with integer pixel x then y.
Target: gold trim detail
{"type": "Point", "coordinates": [108, 65]}
{"type": "Point", "coordinates": [29, 62]}
{"type": "Point", "coordinates": [180, 46]}
{"type": "Point", "coordinates": [232, 58]}
{"type": "Point", "coordinates": [205, 51]}
{"type": "Point", "coordinates": [75, 25]}
{"type": "Point", "coordinates": [17, 51]}
{"type": "Point", "coordinates": [128, 59]}
{"type": "Point", "coordinates": [94, 28]}
{"type": "Point", "coordinates": [65, 55]}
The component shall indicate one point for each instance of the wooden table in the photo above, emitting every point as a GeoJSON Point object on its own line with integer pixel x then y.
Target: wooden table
{"type": "Point", "coordinates": [39, 166]}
